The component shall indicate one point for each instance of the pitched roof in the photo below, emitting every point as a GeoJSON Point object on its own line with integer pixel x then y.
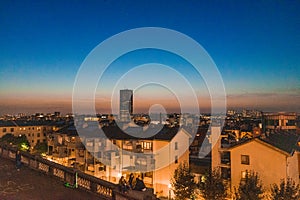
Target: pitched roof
{"type": "Point", "coordinates": [286, 142]}
{"type": "Point", "coordinates": [16, 123]}
{"type": "Point", "coordinates": [129, 133]}
{"type": "Point", "coordinates": [166, 133]}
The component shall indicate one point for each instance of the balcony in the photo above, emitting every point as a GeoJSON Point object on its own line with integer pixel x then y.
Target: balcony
{"type": "Point", "coordinates": [225, 159]}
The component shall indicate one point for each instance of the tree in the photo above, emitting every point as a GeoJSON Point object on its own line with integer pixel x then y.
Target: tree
{"type": "Point", "coordinates": [183, 182]}
{"type": "Point", "coordinates": [286, 190]}
{"type": "Point", "coordinates": [40, 148]}
{"type": "Point", "coordinates": [20, 141]}
{"type": "Point", "coordinates": [213, 186]}
{"type": "Point", "coordinates": [250, 188]}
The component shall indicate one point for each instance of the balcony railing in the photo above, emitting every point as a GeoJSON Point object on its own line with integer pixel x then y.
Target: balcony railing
{"type": "Point", "coordinates": [105, 189]}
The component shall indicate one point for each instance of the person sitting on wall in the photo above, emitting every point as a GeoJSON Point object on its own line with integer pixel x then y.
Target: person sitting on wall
{"type": "Point", "coordinates": [130, 180]}
{"type": "Point", "coordinates": [123, 185]}
{"type": "Point", "coordinates": [139, 185]}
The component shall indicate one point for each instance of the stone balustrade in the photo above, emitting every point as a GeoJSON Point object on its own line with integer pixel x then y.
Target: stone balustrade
{"type": "Point", "coordinates": [104, 189]}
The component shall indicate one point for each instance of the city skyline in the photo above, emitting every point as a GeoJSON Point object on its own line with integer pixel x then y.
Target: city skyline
{"type": "Point", "coordinates": [254, 45]}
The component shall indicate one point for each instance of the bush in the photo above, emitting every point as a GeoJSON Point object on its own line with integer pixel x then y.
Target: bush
{"type": "Point", "coordinates": [213, 187]}
{"type": "Point", "coordinates": [183, 183]}
{"type": "Point", "coordinates": [286, 190]}
{"type": "Point", "coordinates": [250, 188]}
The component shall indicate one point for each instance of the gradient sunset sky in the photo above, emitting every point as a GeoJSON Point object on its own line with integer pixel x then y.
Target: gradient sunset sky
{"type": "Point", "coordinates": [254, 44]}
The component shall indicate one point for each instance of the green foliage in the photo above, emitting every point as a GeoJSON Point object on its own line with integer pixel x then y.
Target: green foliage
{"type": "Point", "coordinates": [183, 182]}
{"type": "Point", "coordinates": [213, 187]}
{"type": "Point", "coordinates": [250, 188]}
{"type": "Point", "coordinates": [18, 141]}
{"type": "Point", "coordinates": [40, 148]}
{"type": "Point", "coordinates": [7, 138]}
{"type": "Point", "coordinates": [286, 190]}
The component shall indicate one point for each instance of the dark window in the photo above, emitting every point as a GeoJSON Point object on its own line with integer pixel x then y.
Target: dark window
{"type": "Point", "coordinates": [225, 173]}
{"type": "Point", "coordinates": [12, 129]}
{"type": "Point", "coordinates": [176, 145]}
{"type": "Point", "coordinates": [176, 159]}
{"type": "Point", "coordinates": [4, 130]}
{"type": "Point", "coordinates": [38, 134]}
{"type": "Point", "coordinates": [245, 159]}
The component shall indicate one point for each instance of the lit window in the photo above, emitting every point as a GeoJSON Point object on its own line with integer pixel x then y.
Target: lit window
{"type": "Point", "coordinates": [147, 145]}
{"type": "Point", "coordinates": [244, 174]}
{"type": "Point", "coordinates": [245, 160]}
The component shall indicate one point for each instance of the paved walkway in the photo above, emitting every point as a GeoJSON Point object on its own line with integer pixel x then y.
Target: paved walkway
{"type": "Point", "coordinates": [28, 184]}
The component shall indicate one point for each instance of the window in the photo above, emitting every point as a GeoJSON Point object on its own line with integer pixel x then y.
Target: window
{"type": "Point", "coordinates": [176, 145]}
{"type": "Point", "coordinates": [176, 159]}
{"type": "Point", "coordinates": [245, 160]}
{"type": "Point", "coordinates": [147, 145]}
{"type": "Point", "coordinates": [225, 173]}
{"type": "Point", "coordinates": [4, 130]}
{"type": "Point", "coordinates": [38, 134]}
{"type": "Point", "coordinates": [12, 130]}
{"type": "Point", "coordinates": [244, 174]}
{"type": "Point", "coordinates": [28, 134]}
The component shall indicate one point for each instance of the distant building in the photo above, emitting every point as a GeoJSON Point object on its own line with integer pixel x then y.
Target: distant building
{"type": "Point", "coordinates": [279, 121]}
{"type": "Point", "coordinates": [35, 131]}
{"type": "Point", "coordinates": [126, 105]}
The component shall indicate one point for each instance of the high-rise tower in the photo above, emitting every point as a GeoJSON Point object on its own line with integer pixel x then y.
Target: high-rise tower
{"type": "Point", "coordinates": [126, 105]}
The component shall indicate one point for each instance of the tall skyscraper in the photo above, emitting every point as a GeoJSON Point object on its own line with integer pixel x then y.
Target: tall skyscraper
{"type": "Point", "coordinates": [126, 105]}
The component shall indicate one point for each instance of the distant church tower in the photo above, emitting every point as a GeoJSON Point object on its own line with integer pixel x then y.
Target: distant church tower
{"type": "Point", "coordinates": [126, 105]}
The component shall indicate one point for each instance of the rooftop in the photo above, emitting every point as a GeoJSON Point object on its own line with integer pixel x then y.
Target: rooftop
{"type": "Point", "coordinates": [286, 141]}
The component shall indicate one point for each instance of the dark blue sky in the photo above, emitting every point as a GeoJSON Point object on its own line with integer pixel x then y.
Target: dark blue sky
{"type": "Point", "coordinates": [255, 46]}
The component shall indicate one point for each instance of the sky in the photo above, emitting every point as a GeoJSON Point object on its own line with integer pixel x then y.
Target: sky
{"type": "Point", "coordinates": [254, 44]}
